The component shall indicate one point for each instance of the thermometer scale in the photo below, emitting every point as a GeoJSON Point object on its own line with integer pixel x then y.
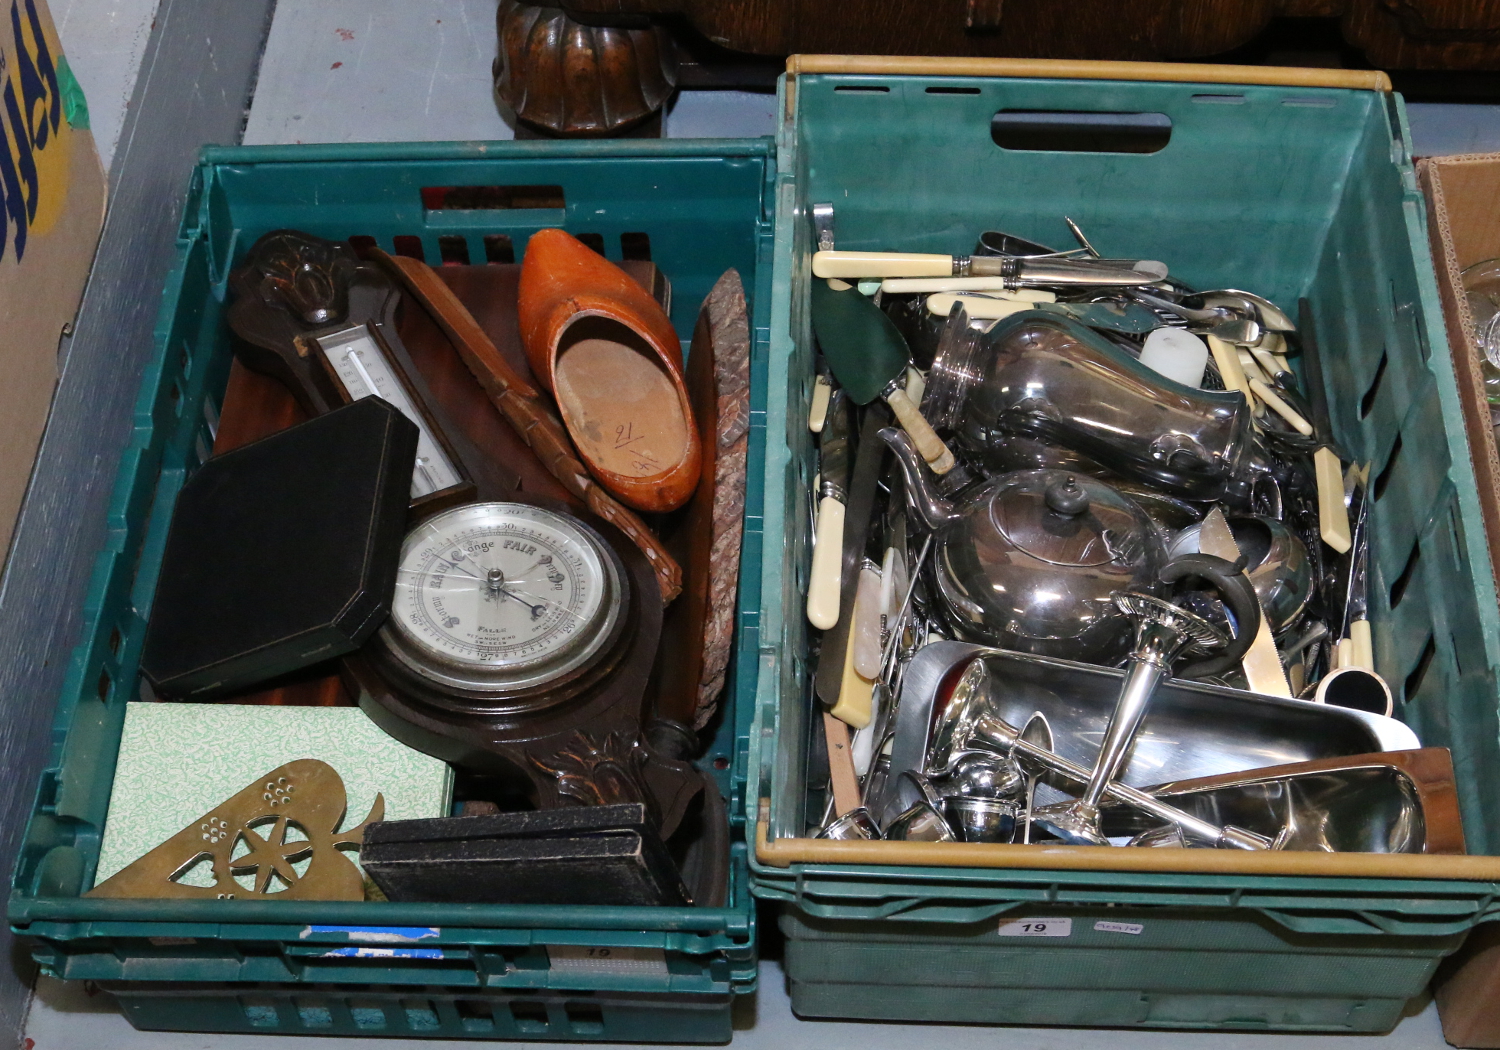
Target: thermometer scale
{"type": "Point", "coordinates": [363, 369]}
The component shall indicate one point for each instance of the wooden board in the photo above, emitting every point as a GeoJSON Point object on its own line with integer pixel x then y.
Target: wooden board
{"type": "Point", "coordinates": [705, 535]}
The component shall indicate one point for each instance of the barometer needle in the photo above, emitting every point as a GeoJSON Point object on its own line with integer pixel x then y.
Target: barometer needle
{"type": "Point", "coordinates": [555, 605]}
{"type": "Point", "coordinates": [536, 610]}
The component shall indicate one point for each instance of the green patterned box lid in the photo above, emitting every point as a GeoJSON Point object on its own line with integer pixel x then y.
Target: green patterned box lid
{"type": "Point", "coordinates": [178, 761]}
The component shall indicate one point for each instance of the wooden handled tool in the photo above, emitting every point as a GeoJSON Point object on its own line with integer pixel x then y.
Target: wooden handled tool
{"type": "Point", "coordinates": [837, 684]}
{"type": "Point", "coordinates": [978, 307]}
{"type": "Point", "coordinates": [522, 406]}
{"type": "Point", "coordinates": [841, 774]}
{"type": "Point", "coordinates": [1230, 370]}
{"type": "Point", "coordinates": [869, 357]}
{"type": "Point", "coordinates": [1333, 513]}
{"type": "Point", "coordinates": [1018, 272]}
{"type": "Point", "coordinates": [1358, 647]}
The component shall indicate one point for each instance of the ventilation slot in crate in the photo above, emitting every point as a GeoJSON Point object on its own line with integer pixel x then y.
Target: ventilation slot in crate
{"type": "Point", "coordinates": [529, 1016]}
{"type": "Point", "coordinates": [498, 248]}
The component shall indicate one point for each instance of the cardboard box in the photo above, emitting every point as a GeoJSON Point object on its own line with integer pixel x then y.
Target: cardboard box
{"type": "Point", "coordinates": [1463, 222]}
{"type": "Point", "coordinates": [52, 199]}
{"type": "Point", "coordinates": [1463, 213]}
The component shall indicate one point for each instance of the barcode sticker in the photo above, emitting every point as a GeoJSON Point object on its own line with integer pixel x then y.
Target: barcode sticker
{"type": "Point", "coordinates": [576, 958]}
{"type": "Point", "coordinates": [1037, 928]}
{"type": "Point", "coordinates": [1119, 927]}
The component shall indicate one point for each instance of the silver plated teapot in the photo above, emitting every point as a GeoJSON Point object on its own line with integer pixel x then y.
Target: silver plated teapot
{"type": "Point", "coordinates": [1029, 560]}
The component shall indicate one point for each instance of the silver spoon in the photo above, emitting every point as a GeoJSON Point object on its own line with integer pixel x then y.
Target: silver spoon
{"type": "Point", "coordinates": [1230, 325]}
{"type": "Point", "coordinates": [1039, 732]}
{"type": "Point", "coordinates": [1242, 332]}
{"type": "Point", "coordinates": [1270, 316]}
{"type": "Point", "coordinates": [1213, 316]}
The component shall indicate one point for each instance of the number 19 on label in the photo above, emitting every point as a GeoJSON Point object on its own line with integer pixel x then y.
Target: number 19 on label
{"type": "Point", "coordinates": [1044, 927]}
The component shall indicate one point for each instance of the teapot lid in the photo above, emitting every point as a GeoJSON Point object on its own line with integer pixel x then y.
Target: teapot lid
{"type": "Point", "coordinates": [1063, 518]}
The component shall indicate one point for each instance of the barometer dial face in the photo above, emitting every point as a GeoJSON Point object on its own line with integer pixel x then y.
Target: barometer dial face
{"type": "Point", "coordinates": [504, 593]}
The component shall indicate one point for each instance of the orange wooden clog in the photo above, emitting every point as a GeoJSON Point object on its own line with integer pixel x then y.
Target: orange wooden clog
{"type": "Point", "coordinates": [609, 355]}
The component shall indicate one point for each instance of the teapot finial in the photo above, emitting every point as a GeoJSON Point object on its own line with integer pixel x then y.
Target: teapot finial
{"type": "Point", "coordinates": [1066, 497]}
{"type": "Point", "coordinates": [934, 511]}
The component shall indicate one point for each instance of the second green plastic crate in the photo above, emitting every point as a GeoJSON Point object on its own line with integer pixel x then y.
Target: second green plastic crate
{"type": "Point", "coordinates": [1289, 190]}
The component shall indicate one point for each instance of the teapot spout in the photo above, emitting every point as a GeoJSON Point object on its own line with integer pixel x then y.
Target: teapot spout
{"type": "Point", "coordinates": [934, 511]}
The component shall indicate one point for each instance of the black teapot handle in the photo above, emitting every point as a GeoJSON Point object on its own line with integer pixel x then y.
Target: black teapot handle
{"type": "Point", "coordinates": [1229, 579]}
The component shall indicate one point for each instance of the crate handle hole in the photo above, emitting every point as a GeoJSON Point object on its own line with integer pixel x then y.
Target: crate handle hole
{"type": "Point", "coordinates": [861, 89]}
{"type": "Point", "coordinates": [593, 241]}
{"type": "Point", "coordinates": [454, 250]}
{"type": "Point", "coordinates": [1384, 477]}
{"type": "Point", "coordinates": [1368, 401]}
{"type": "Point", "coordinates": [1419, 672]}
{"type": "Point", "coordinates": [102, 686]}
{"type": "Point", "coordinates": [492, 198]}
{"type": "Point", "coordinates": [1398, 588]}
{"type": "Point", "coordinates": [499, 249]}
{"type": "Point", "coordinates": [114, 640]}
{"type": "Point", "coordinates": [953, 91]}
{"type": "Point", "coordinates": [1077, 131]}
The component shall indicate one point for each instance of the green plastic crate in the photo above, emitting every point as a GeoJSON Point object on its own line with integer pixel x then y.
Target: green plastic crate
{"type": "Point", "coordinates": [1294, 192]}
{"type": "Point", "coordinates": [705, 208]}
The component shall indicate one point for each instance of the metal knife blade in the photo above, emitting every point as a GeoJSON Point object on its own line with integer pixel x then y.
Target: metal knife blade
{"type": "Point", "coordinates": [858, 518]}
{"type": "Point", "coordinates": [833, 448]}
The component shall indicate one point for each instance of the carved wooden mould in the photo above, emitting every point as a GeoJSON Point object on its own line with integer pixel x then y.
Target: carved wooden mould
{"type": "Point", "coordinates": [570, 78]}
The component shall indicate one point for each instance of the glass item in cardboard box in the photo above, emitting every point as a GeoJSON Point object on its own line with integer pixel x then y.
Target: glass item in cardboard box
{"type": "Point", "coordinates": [1482, 289]}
